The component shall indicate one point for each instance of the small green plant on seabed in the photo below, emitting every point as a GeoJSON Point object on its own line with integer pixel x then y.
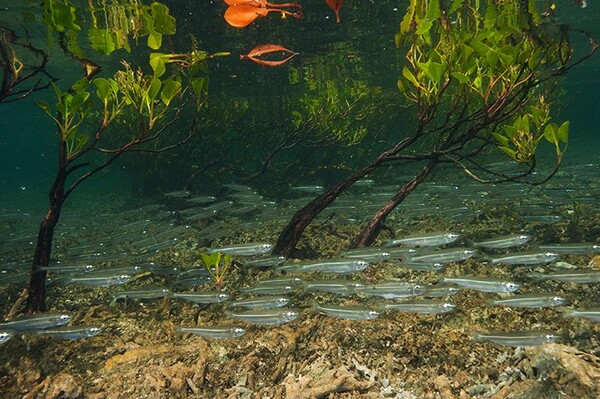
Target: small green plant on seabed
{"type": "Point", "coordinates": [217, 265]}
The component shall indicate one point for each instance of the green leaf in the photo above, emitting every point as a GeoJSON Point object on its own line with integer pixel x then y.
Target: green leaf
{"type": "Point", "coordinates": [157, 63]}
{"type": "Point", "coordinates": [466, 52]}
{"type": "Point", "coordinates": [406, 23]}
{"type": "Point", "coordinates": [78, 100]}
{"type": "Point", "coordinates": [492, 58]}
{"type": "Point", "coordinates": [154, 40]}
{"type": "Point", "coordinates": [43, 105]}
{"type": "Point", "coordinates": [170, 89]}
{"type": "Point", "coordinates": [511, 131]}
{"type": "Point", "coordinates": [536, 114]}
{"type": "Point", "coordinates": [163, 22]}
{"type": "Point", "coordinates": [510, 152]}
{"type": "Point", "coordinates": [80, 85]}
{"type": "Point", "coordinates": [436, 71]}
{"type": "Point", "coordinates": [456, 4]}
{"type": "Point", "coordinates": [200, 86]}
{"type": "Point", "coordinates": [401, 86]}
{"type": "Point", "coordinates": [103, 89]}
{"type": "Point", "coordinates": [461, 77]}
{"type": "Point", "coordinates": [410, 77]}
{"type": "Point", "coordinates": [154, 89]}
{"type": "Point", "coordinates": [206, 259]}
{"type": "Point", "coordinates": [503, 140]}
{"type": "Point", "coordinates": [491, 14]}
{"type": "Point", "coordinates": [550, 133]}
{"type": "Point", "coordinates": [57, 90]}
{"type": "Point", "coordinates": [102, 40]}
{"type": "Point", "coordinates": [296, 119]}
{"type": "Point", "coordinates": [563, 132]}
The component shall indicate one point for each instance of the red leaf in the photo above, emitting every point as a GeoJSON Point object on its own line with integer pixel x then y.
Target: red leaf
{"type": "Point", "coordinates": [335, 6]}
{"type": "Point", "coordinates": [263, 49]}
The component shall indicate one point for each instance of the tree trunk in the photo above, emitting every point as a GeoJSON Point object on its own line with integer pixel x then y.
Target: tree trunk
{"type": "Point", "coordinates": [36, 299]}
{"type": "Point", "coordinates": [372, 230]}
{"type": "Point", "coordinates": [291, 234]}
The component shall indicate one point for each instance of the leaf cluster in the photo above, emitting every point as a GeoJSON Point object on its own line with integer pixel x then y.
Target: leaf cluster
{"type": "Point", "coordinates": [484, 63]}
{"type": "Point", "coordinates": [217, 264]}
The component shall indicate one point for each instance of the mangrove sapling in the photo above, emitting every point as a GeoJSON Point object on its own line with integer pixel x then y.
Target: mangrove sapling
{"type": "Point", "coordinates": [147, 98]}
{"type": "Point", "coordinates": [217, 264]}
{"type": "Point", "coordinates": [479, 82]}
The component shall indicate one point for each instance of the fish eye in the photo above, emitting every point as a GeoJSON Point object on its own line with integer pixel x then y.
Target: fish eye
{"type": "Point", "coordinates": [418, 288]}
{"type": "Point", "coordinates": [551, 337]}
{"type": "Point", "coordinates": [448, 306]}
{"type": "Point", "coordinates": [373, 313]}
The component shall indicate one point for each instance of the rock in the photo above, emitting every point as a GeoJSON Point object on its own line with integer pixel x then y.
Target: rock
{"type": "Point", "coordinates": [63, 386]}
{"type": "Point", "coordinates": [560, 371]}
{"type": "Point", "coordinates": [442, 384]}
{"type": "Point", "coordinates": [320, 380]}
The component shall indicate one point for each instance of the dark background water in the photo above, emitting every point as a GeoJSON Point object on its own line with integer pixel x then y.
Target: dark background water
{"type": "Point", "coordinates": [360, 49]}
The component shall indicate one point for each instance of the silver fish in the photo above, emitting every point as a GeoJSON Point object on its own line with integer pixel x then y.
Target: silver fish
{"type": "Point", "coordinates": [261, 302]}
{"type": "Point", "coordinates": [369, 254]}
{"type": "Point", "coordinates": [531, 301]}
{"type": "Point", "coordinates": [267, 316]}
{"type": "Point", "coordinates": [428, 267]}
{"type": "Point", "coordinates": [335, 266]}
{"type": "Point", "coordinates": [401, 253]}
{"type": "Point", "coordinates": [517, 338]}
{"type": "Point", "coordinates": [266, 262]}
{"type": "Point", "coordinates": [292, 281]}
{"type": "Point", "coordinates": [5, 336]}
{"type": "Point", "coordinates": [339, 286]}
{"type": "Point", "coordinates": [201, 199]}
{"type": "Point", "coordinates": [424, 240]}
{"type": "Point", "coordinates": [71, 332]}
{"type": "Point", "coordinates": [36, 322]}
{"type": "Point", "coordinates": [201, 297]}
{"type": "Point", "coordinates": [352, 312]}
{"type": "Point", "coordinates": [245, 249]}
{"type": "Point", "coordinates": [102, 278]}
{"type": "Point", "coordinates": [524, 258]}
{"type": "Point", "coordinates": [66, 268]}
{"type": "Point", "coordinates": [508, 241]}
{"type": "Point", "coordinates": [484, 284]}
{"type": "Point", "coordinates": [588, 313]}
{"type": "Point", "coordinates": [178, 194]}
{"type": "Point", "coordinates": [439, 291]}
{"type": "Point", "coordinates": [425, 306]}
{"type": "Point", "coordinates": [391, 290]}
{"type": "Point", "coordinates": [151, 292]}
{"type": "Point", "coordinates": [269, 290]}
{"type": "Point", "coordinates": [580, 248]}
{"type": "Point", "coordinates": [573, 276]}
{"type": "Point", "coordinates": [443, 256]}
{"type": "Point", "coordinates": [217, 332]}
